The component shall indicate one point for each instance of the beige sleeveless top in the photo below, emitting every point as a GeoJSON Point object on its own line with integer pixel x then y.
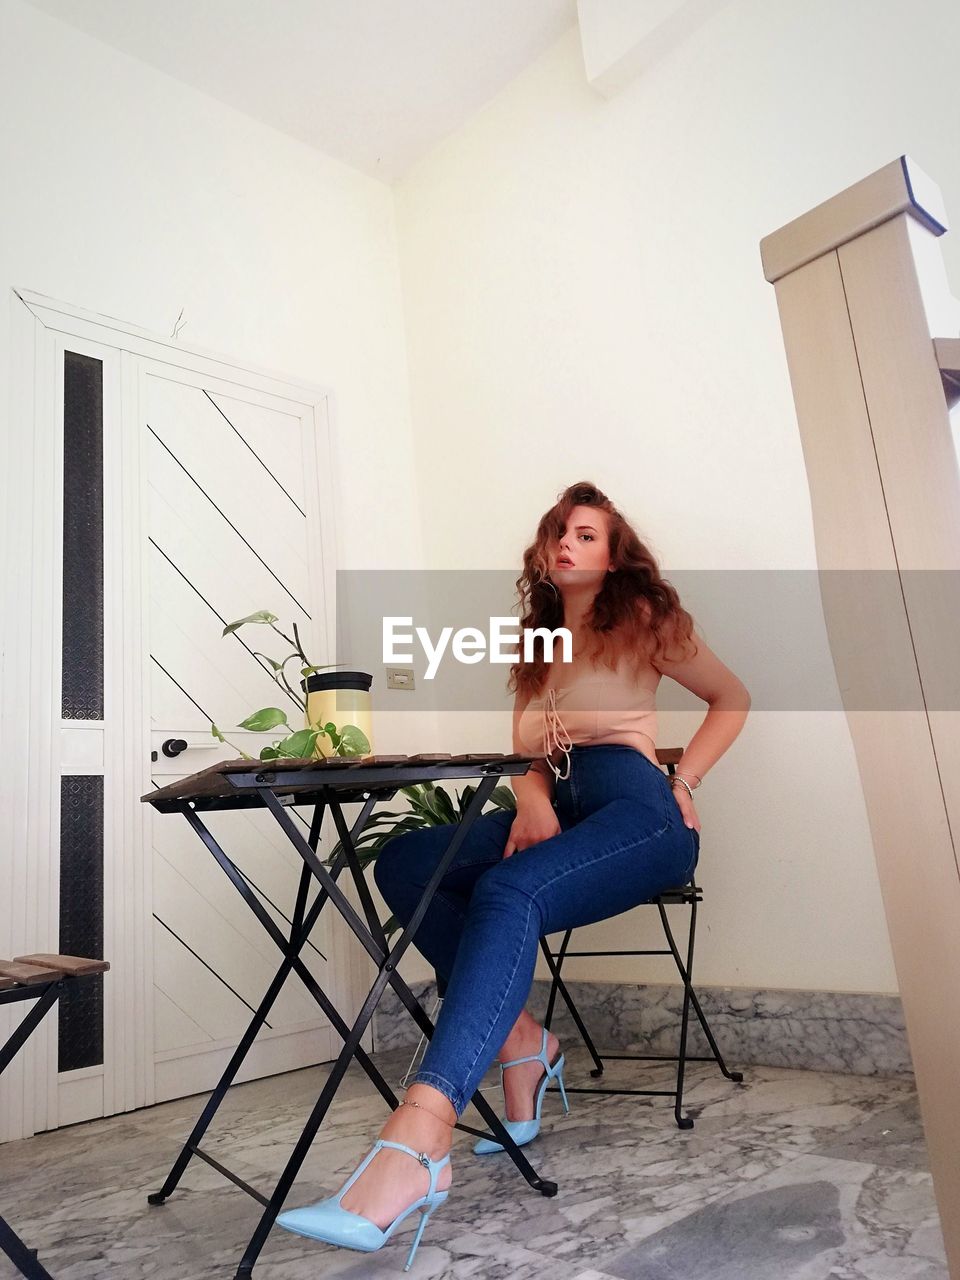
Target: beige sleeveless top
{"type": "Point", "coordinates": [594, 706]}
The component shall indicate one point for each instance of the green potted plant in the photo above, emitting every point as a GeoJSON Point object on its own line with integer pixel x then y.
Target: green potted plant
{"type": "Point", "coordinates": [430, 806]}
{"type": "Point", "coordinates": [321, 736]}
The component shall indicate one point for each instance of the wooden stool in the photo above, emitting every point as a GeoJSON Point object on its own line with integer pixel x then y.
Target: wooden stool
{"type": "Point", "coordinates": [41, 977]}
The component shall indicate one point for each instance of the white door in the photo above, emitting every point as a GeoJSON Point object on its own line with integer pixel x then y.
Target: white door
{"type": "Point", "coordinates": [233, 528]}
{"type": "Point", "coordinates": [214, 497]}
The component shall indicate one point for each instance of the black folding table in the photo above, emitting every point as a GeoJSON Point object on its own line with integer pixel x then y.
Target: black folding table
{"type": "Point", "coordinates": [322, 784]}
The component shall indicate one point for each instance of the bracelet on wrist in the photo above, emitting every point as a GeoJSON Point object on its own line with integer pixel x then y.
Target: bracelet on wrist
{"type": "Point", "coordinates": [678, 779]}
{"type": "Point", "coordinates": [677, 774]}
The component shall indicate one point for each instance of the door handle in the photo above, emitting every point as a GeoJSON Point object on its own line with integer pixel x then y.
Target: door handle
{"type": "Point", "coordinates": [173, 746]}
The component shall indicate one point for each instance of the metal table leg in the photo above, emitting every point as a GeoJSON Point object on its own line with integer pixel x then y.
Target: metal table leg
{"type": "Point", "coordinates": [388, 963]}
{"type": "Point", "coordinates": [370, 934]}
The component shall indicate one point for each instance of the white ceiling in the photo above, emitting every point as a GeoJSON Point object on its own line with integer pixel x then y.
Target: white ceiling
{"type": "Point", "coordinates": [374, 82]}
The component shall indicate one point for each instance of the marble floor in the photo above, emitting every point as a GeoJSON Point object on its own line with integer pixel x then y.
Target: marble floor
{"type": "Point", "coordinates": [793, 1175]}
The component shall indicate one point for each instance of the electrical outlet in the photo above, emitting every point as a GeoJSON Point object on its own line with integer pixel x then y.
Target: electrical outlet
{"type": "Point", "coordinates": [400, 678]}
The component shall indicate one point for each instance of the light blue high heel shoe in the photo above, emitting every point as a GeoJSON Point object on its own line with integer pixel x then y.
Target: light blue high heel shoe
{"type": "Point", "coordinates": [524, 1131]}
{"type": "Point", "coordinates": [328, 1221]}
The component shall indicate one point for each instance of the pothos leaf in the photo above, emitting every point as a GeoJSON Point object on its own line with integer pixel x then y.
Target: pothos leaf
{"type": "Point", "coordinates": [299, 745]}
{"type": "Point", "coordinates": [262, 615]}
{"type": "Point", "coordinates": [264, 719]}
{"type": "Point", "coordinates": [353, 741]}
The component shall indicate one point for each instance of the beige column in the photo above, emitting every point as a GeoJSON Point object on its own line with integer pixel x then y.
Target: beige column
{"type": "Point", "coordinates": [870, 329]}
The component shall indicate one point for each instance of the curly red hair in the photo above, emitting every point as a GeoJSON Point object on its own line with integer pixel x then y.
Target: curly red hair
{"type": "Point", "coordinates": [635, 612]}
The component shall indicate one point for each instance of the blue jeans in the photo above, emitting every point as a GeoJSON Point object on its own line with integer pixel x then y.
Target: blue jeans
{"type": "Point", "coordinates": [622, 840]}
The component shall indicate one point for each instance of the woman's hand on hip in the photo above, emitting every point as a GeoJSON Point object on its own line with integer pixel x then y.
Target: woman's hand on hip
{"type": "Point", "coordinates": [686, 806]}
{"type": "Point", "coordinates": [532, 824]}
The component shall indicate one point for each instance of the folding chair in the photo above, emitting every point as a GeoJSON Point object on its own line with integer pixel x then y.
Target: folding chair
{"type": "Point", "coordinates": [43, 978]}
{"type": "Point", "coordinates": [690, 895]}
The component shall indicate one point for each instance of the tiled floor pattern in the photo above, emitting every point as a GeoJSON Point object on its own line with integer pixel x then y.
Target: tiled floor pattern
{"type": "Point", "coordinates": [792, 1175]}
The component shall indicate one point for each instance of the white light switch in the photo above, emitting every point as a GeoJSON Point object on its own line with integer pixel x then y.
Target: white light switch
{"type": "Point", "coordinates": [400, 678]}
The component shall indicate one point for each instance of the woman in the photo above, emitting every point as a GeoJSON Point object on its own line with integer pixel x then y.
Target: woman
{"type": "Point", "coordinates": [598, 829]}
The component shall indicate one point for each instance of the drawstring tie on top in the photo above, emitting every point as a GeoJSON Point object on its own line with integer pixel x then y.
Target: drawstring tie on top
{"type": "Point", "coordinates": [555, 735]}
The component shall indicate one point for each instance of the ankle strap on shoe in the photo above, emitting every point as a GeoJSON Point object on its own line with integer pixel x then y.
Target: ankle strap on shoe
{"type": "Point", "coordinates": [536, 1057]}
{"type": "Point", "coordinates": [432, 1166]}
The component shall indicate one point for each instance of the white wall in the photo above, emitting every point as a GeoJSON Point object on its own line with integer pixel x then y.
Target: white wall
{"type": "Point", "coordinates": [584, 298]}
{"type": "Point", "coordinates": [129, 193]}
